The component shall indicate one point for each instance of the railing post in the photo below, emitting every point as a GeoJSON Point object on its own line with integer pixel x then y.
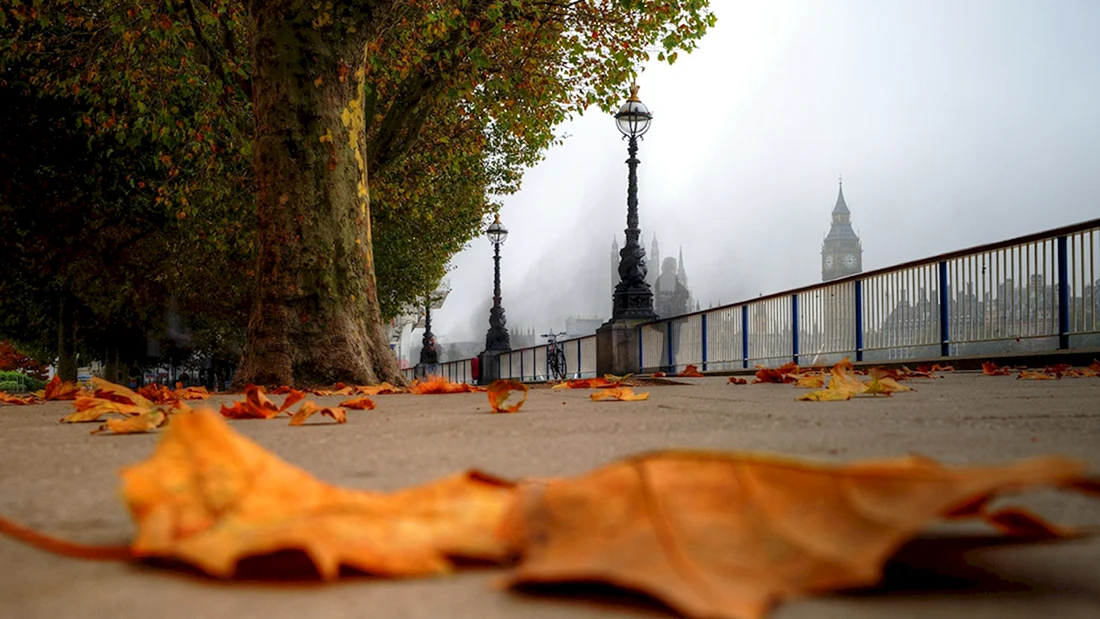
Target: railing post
{"type": "Point", "coordinates": [859, 319]}
{"type": "Point", "coordinates": [579, 358]}
{"type": "Point", "coordinates": [703, 317]}
{"type": "Point", "coordinates": [668, 345]}
{"type": "Point", "coordinates": [794, 328]}
{"type": "Point", "coordinates": [1063, 293]}
{"type": "Point", "coordinates": [745, 336]}
{"type": "Point", "coordinates": [945, 331]}
{"type": "Point", "coordinates": [641, 349]}
{"type": "Point", "coordinates": [521, 366]}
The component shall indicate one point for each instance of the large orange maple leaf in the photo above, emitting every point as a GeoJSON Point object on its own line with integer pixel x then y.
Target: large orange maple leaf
{"type": "Point", "coordinates": [211, 497]}
{"type": "Point", "coordinates": [730, 535]}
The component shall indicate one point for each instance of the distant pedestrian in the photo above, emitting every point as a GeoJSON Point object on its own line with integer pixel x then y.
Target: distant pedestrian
{"type": "Point", "coordinates": [475, 369]}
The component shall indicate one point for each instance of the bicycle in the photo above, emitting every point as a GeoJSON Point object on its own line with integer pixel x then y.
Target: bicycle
{"type": "Point", "coordinates": [555, 357]}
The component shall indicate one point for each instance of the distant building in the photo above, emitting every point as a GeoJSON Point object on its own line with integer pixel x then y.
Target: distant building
{"type": "Point", "coordinates": [667, 279]}
{"type": "Point", "coordinates": [581, 326]}
{"type": "Point", "coordinates": [841, 251]}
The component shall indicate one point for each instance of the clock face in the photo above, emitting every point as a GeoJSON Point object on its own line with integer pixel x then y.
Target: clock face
{"type": "Point", "coordinates": [828, 262]}
{"type": "Point", "coordinates": [850, 260]}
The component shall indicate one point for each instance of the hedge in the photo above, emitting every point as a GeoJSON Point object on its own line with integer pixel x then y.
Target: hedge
{"type": "Point", "coordinates": [15, 381]}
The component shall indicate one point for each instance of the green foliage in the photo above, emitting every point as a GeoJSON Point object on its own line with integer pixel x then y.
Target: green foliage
{"type": "Point", "coordinates": [16, 381]}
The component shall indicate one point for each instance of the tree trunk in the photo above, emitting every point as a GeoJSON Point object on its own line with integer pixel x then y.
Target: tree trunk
{"type": "Point", "coordinates": [66, 341]}
{"type": "Point", "coordinates": [315, 318]}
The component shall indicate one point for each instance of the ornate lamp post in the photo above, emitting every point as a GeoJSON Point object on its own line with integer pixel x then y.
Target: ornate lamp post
{"type": "Point", "coordinates": [496, 340]}
{"type": "Point", "coordinates": [633, 298]}
{"type": "Point", "coordinates": [429, 354]}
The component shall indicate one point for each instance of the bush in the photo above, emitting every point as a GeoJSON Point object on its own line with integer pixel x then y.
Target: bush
{"type": "Point", "coordinates": [15, 381]}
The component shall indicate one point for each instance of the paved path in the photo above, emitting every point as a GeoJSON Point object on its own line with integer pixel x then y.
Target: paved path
{"type": "Point", "coordinates": [59, 479]}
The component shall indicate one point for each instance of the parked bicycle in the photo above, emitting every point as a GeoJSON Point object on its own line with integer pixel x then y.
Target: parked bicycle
{"type": "Point", "coordinates": [555, 356]}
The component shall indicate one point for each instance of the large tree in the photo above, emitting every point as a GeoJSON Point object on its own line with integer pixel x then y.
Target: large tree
{"type": "Point", "coordinates": [339, 88]}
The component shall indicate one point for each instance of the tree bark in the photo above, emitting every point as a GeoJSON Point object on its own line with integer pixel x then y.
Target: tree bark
{"type": "Point", "coordinates": [315, 318]}
{"type": "Point", "coordinates": [66, 341]}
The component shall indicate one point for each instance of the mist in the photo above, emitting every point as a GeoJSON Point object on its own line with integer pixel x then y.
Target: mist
{"type": "Point", "coordinates": [953, 124]}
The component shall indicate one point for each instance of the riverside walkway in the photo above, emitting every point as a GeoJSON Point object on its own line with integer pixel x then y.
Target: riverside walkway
{"type": "Point", "coordinates": [58, 479]}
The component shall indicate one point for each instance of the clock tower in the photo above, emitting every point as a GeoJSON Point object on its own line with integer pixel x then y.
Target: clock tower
{"type": "Point", "coordinates": [841, 252]}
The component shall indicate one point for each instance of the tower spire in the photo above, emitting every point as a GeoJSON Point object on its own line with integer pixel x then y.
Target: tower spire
{"type": "Point", "coordinates": [841, 207]}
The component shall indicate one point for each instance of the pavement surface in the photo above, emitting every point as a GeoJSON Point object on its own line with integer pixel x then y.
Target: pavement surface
{"type": "Point", "coordinates": [60, 480]}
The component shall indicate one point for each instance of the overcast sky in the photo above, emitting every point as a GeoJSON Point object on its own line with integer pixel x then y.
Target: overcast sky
{"type": "Point", "coordinates": [953, 122]}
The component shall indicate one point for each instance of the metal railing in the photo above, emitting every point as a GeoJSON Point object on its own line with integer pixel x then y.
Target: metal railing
{"type": "Point", "coordinates": [1034, 293]}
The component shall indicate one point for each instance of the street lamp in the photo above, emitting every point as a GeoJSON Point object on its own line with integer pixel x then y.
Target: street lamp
{"type": "Point", "coordinates": [633, 298]}
{"type": "Point", "coordinates": [497, 337]}
{"type": "Point", "coordinates": [429, 353]}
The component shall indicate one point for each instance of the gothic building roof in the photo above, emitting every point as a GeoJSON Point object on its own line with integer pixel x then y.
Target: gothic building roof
{"type": "Point", "coordinates": [841, 229]}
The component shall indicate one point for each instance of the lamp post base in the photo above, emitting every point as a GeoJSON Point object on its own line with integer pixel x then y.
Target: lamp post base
{"type": "Point", "coordinates": [618, 347]}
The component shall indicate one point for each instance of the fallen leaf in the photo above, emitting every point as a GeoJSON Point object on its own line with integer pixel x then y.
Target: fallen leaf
{"type": "Point", "coordinates": [281, 390]}
{"type": "Point", "coordinates": [622, 394]}
{"type": "Point", "coordinates": [192, 393]}
{"type": "Point", "coordinates": [658, 375]}
{"type": "Point", "coordinates": [309, 409]}
{"type": "Point", "coordinates": [733, 380]}
{"type": "Point", "coordinates": [884, 386]}
{"type": "Point", "coordinates": [361, 404]}
{"type": "Point", "coordinates": [843, 385]}
{"type": "Point", "coordinates": [210, 497]}
{"type": "Point", "coordinates": [105, 390]}
{"type": "Point", "coordinates": [439, 384]}
{"type": "Point", "coordinates": [145, 422]}
{"type": "Point", "coordinates": [7, 398]}
{"type": "Point", "coordinates": [584, 383]}
{"type": "Point", "coordinates": [877, 372]}
{"type": "Point", "coordinates": [771, 375]}
{"type": "Point", "coordinates": [506, 396]}
{"type": "Point", "coordinates": [730, 535]}
{"type": "Point", "coordinates": [91, 409]}
{"type": "Point", "coordinates": [1034, 375]}
{"type": "Point", "coordinates": [617, 380]}
{"type": "Point", "coordinates": [690, 372]}
{"type": "Point", "coordinates": [256, 405]}
{"type": "Point", "coordinates": [57, 390]}
{"type": "Point", "coordinates": [810, 381]}
{"type": "Point", "coordinates": [992, 369]}
{"type": "Point", "coordinates": [384, 388]}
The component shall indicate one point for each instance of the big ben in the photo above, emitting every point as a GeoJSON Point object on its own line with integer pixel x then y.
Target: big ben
{"type": "Point", "coordinates": [841, 252]}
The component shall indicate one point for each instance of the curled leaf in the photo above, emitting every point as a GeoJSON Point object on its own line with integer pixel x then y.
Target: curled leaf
{"type": "Point", "coordinates": [309, 409]}
{"type": "Point", "coordinates": [361, 404]}
{"type": "Point", "coordinates": [733, 380]}
{"type": "Point", "coordinates": [992, 369]}
{"type": "Point", "coordinates": [622, 394]}
{"type": "Point", "coordinates": [439, 384]}
{"type": "Point", "coordinates": [210, 497]}
{"type": "Point", "coordinates": [1034, 375]}
{"type": "Point", "coordinates": [57, 390]}
{"type": "Point", "coordinates": [810, 381]}
{"type": "Point", "coordinates": [7, 398]}
{"type": "Point", "coordinates": [257, 405]}
{"type": "Point", "coordinates": [145, 422]}
{"type": "Point", "coordinates": [507, 396]}
{"type": "Point", "coordinates": [690, 372]}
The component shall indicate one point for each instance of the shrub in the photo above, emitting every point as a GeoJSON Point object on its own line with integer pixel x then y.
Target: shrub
{"type": "Point", "coordinates": [16, 381]}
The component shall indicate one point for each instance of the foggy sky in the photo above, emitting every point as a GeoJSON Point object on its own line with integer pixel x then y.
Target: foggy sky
{"type": "Point", "coordinates": [953, 122]}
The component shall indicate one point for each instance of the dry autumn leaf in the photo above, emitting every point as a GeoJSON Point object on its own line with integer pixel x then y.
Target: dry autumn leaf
{"type": "Point", "coordinates": [359, 404]}
{"type": "Point", "coordinates": [57, 390]}
{"type": "Point", "coordinates": [843, 385]}
{"type": "Point", "coordinates": [621, 394]}
{"type": "Point", "coordinates": [439, 384]}
{"type": "Point", "coordinates": [733, 380]}
{"type": "Point", "coordinates": [145, 422]}
{"type": "Point", "coordinates": [810, 381]}
{"type": "Point", "coordinates": [730, 535]}
{"type": "Point", "coordinates": [884, 386]}
{"type": "Point", "coordinates": [506, 396]}
{"type": "Point", "coordinates": [658, 375]}
{"type": "Point", "coordinates": [91, 409]}
{"type": "Point", "coordinates": [690, 372]}
{"type": "Point", "coordinates": [585, 383]}
{"type": "Point", "coordinates": [382, 389]}
{"type": "Point", "coordinates": [992, 369]}
{"type": "Point", "coordinates": [210, 497]}
{"type": "Point", "coordinates": [1034, 375]}
{"type": "Point", "coordinates": [257, 405]}
{"type": "Point", "coordinates": [309, 409]}
{"type": "Point", "coordinates": [7, 398]}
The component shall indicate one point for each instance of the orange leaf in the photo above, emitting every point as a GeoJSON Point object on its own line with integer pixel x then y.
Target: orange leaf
{"type": "Point", "coordinates": [210, 497]}
{"type": "Point", "coordinates": [7, 398]}
{"type": "Point", "coordinates": [438, 384]}
{"type": "Point", "coordinates": [585, 383]}
{"type": "Point", "coordinates": [843, 385]}
{"type": "Point", "coordinates": [507, 396]}
{"type": "Point", "coordinates": [885, 386]}
{"type": "Point", "coordinates": [810, 381]}
{"type": "Point", "coordinates": [308, 409]}
{"type": "Point", "coordinates": [105, 390]}
{"type": "Point", "coordinates": [361, 404]}
{"type": "Point", "coordinates": [658, 375]}
{"type": "Point", "coordinates": [733, 380]}
{"type": "Point", "coordinates": [281, 390]}
{"type": "Point", "coordinates": [382, 389]}
{"type": "Point", "coordinates": [57, 390]}
{"type": "Point", "coordinates": [690, 371]}
{"type": "Point", "coordinates": [991, 369]}
{"type": "Point", "coordinates": [257, 405]}
{"type": "Point", "coordinates": [877, 372]}
{"type": "Point", "coordinates": [1029, 375]}
{"type": "Point", "coordinates": [728, 536]}
{"type": "Point", "coordinates": [145, 422]}
{"type": "Point", "coordinates": [622, 394]}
